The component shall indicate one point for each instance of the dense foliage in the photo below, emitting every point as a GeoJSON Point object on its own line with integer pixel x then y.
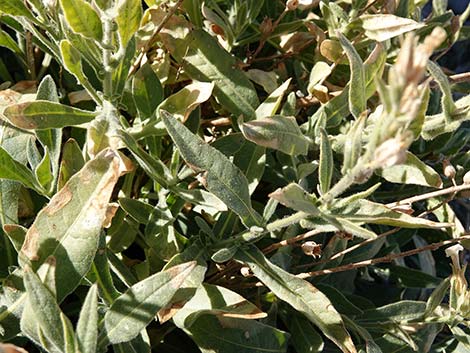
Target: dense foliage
{"type": "Point", "coordinates": [232, 177]}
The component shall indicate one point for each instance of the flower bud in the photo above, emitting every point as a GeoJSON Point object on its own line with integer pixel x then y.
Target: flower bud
{"type": "Point", "coordinates": [466, 178]}
{"type": "Point", "coordinates": [292, 5]}
{"type": "Point", "coordinates": [310, 248]}
{"type": "Point", "coordinates": [448, 168]}
{"type": "Point", "coordinates": [266, 27]}
{"type": "Point", "coordinates": [390, 153]}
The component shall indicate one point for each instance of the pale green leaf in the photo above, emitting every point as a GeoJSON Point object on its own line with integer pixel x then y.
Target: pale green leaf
{"type": "Point", "coordinates": [277, 132]}
{"type": "Point", "coordinates": [72, 161]}
{"type": "Point", "coordinates": [82, 18]}
{"type": "Point", "coordinates": [357, 82]}
{"type": "Point", "coordinates": [381, 27]}
{"type": "Point", "coordinates": [183, 102]}
{"type": "Point", "coordinates": [87, 325]}
{"type": "Point", "coordinates": [134, 309]}
{"type": "Point", "coordinates": [46, 115]}
{"type": "Point", "coordinates": [207, 61]}
{"type": "Point", "coordinates": [271, 105]}
{"type": "Point", "coordinates": [326, 166]}
{"type": "Point", "coordinates": [447, 102]}
{"type": "Point", "coordinates": [16, 8]}
{"type": "Point", "coordinates": [301, 295]}
{"type": "Point", "coordinates": [147, 91]}
{"type": "Point", "coordinates": [46, 309]}
{"type": "Point", "coordinates": [68, 227]}
{"type": "Point", "coordinates": [223, 178]}
{"type": "Point", "coordinates": [72, 59]}
{"type": "Point", "coordinates": [128, 19]}
{"type": "Point", "coordinates": [412, 171]}
{"type": "Point", "coordinates": [295, 197]}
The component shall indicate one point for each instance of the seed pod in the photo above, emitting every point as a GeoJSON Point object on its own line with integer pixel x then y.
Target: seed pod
{"type": "Point", "coordinates": [310, 248]}
{"type": "Point", "coordinates": [466, 178]}
{"type": "Point", "coordinates": [448, 168]}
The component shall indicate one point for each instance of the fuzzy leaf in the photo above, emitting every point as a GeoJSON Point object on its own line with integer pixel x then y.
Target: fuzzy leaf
{"type": "Point", "coordinates": [326, 166]}
{"type": "Point", "coordinates": [207, 61]}
{"type": "Point", "coordinates": [412, 171]}
{"type": "Point", "coordinates": [301, 295]}
{"type": "Point", "coordinates": [46, 115]}
{"type": "Point", "coordinates": [277, 132]}
{"type": "Point", "coordinates": [223, 178]}
{"type": "Point", "coordinates": [16, 171]}
{"type": "Point", "coordinates": [68, 227]}
{"type": "Point", "coordinates": [82, 18]}
{"type": "Point", "coordinates": [270, 106]}
{"type": "Point", "coordinates": [134, 309]}
{"type": "Point", "coordinates": [357, 81]}
{"type": "Point", "coordinates": [147, 91]}
{"type": "Point", "coordinates": [381, 27]}
{"type": "Point", "coordinates": [293, 196]}
{"type": "Point", "coordinates": [87, 325]}
{"type": "Point", "coordinates": [128, 19]}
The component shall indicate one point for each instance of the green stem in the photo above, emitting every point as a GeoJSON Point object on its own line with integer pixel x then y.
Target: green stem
{"type": "Point", "coordinates": [107, 55]}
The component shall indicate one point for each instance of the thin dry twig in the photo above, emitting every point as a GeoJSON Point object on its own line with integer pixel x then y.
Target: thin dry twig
{"type": "Point", "coordinates": [387, 258]}
{"type": "Point", "coordinates": [290, 241]}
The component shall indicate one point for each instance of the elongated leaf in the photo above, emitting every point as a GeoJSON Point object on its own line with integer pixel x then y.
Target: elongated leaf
{"type": "Point", "coordinates": [271, 105]}
{"type": "Point", "coordinates": [82, 18]}
{"type": "Point", "coordinates": [357, 81]}
{"type": "Point", "coordinates": [215, 334]}
{"type": "Point", "coordinates": [412, 171]}
{"type": "Point", "coordinates": [72, 161]}
{"type": "Point", "coordinates": [133, 310]}
{"type": "Point", "coordinates": [326, 166]}
{"type": "Point", "coordinates": [305, 338]}
{"type": "Point", "coordinates": [448, 105]}
{"type": "Point", "coordinates": [7, 42]}
{"type": "Point", "coordinates": [206, 61]}
{"type": "Point", "coordinates": [381, 27]}
{"type": "Point", "coordinates": [87, 325]}
{"type": "Point", "coordinates": [16, 8]}
{"type": "Point", "coordinates": [147, 91]}
{"type": "Point", "coordinates": [301, 295]}
{"type": "Point", "coordinates": [45, 307]}
{"type": "Point", "coordinates": [295, 197]}
{"type": "Point", "coordinates": [223, 178]}
{"type": "Point", "coordinates": [277, 132]}
{"type": "Point", "coordinates": [16, 171]}
{"type": "Point", "coordinates": [183, 102]}
{"type": "Point", "coordinates": [46, 115]}
{"type": "Point", "coordinates": [128, 19]}
{"type": "Point", "coordinates": [215, 300]}
{"type": "Point", "coordinates": [68, 227]}
{"type": "Point", "coordinates": [72, 60]}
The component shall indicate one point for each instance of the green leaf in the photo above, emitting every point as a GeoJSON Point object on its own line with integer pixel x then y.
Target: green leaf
{"type": "Point", "coordinates": [72, 161]}
{"type": "Point", "coordinates": [82, 18]}
{"type": "Point", "coordinates": [304, 337]}
{"type": "Point", "coordinates": [43, 171]}
{"type": "Point", "coordinates": [17, 171]}
{"type": "Point", "coordinates": [326, 165]}
{"type": "Point", "coordinates": [223, 179]}
{"type": "Point", "coordinates": [447, 102]}
{"type": "Point", "coordinates": [147, 91]}
{"type": "Point", "coordinates": [271, 105]}
{"type": "Point", "coordinates": [215, 334]}
{"type": "Point", "coordinates": [46, 115]}
{"type": "Point", "coordinates": [295, 197]}
{"type": "Point", "coordinates": [72, 60]}
{"type": "Point", "coordinates": [183, 102]}
{"type": "Point", "coordinates": [436, 297]}
{"type": "Point", "coordinates": [402, 311]}
{"type": "Point", "coordinates": [129, 14]}
{"type": "Point", "coordinates": [133, 310]}
{"type": "Point", "coordinates": [68, 227]}
{"type": "Point", "coordinates": [16, 8]}
{"type": "Point", "coordinates": [381, 27]}
{"type": "Point", "coordinates": [357, 81]}
{"type": "Point", "coordinates": [16, 233]}
{"type": "Point", "coordinates": [69, 335]}
{"type": "Point", "coordinates": [353, 144]}
{"type": "Point", "coordinates": [277, 132]}
{"type": "Point", "coordinates": [301, 295]}
{"type": "Point", "coordinates": [87, 325]}
{"type": "Point", "coordinates": [412, 171]}
{"type": "Point", "coordinates": [207, 61]}
{"type": "Point", "coordinates": [46, 309]}
{"type": "Point", "coordinates": [7, 42]}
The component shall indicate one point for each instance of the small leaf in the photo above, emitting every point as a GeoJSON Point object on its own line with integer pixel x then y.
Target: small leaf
{"type": "Point", "coordinates": [301, 295]}
{"type": "Point", "coordinates": [133, 310]}
{"type": "Point", "coordinates": [326, 165]}
{"type": "Point", "coordinates": [43, 171]}
{"type": "Point", "coordinates": [82, 18]}
{"type": "Point", "coordinates": [72, 161]}
{"type": "Point", "coordinates": [147, 91]}
{"type": "Point", "coordinates": [87, 325]}
{"type": "Point", "coordinates": [46, 309]}
{"type": "Point", "coordinates": [412, 171]}
{"type": "Point", "coordinates": [16, 233]}
{"type": "Point", "coordinates": [381, 27]}
{"type": "Point", "coordinates": [69, 335]}
{"type": "Point", "coordinates": [128, 19]}
{"type": "Point", "coordinates": [46, 115]}
{"type": "Point", "coordinates": [293, 196]}
{"type": "Point", "coordinates": [16, 8]}
{"type": "Point", "coordinates": [183, 102]}
{"type": "Point", "coordinates": [357, 81]}
{"type": "Point", "coordinates": [223, 178]}
{"type": "Point", "coordinates": [271, 105]}
{"type": "Point", "coordinates": [68, 227]}
{"type": "Point", "coordinates": [436, 297]}
{"type": "Point", "coordinates": [17, 171]}
{"type": "Point", "coordinates": [353, 144]}
{"type": "Point", "coordinates": [277, 132]}
{"type": "Point", "coordinates": [72, 60]}
{"type": "Point", "coordinates": [447, 102]}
